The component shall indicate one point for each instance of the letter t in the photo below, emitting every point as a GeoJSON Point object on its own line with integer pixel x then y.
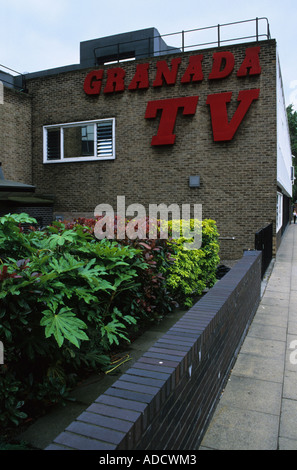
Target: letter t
{"type": "Point", "coordinates": [169, 110]}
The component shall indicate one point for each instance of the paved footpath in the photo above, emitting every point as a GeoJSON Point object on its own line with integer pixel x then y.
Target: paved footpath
{"type": "Point", "coordinates": [258, 408]}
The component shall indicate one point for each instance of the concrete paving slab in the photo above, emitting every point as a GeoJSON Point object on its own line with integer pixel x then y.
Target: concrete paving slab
{"type": "Point", "coordinates": [292, 328]}
{"type": "Point", "coordinates": [276, 278]}
{"type": "Point", "coordinates": [275, 282]}
{"type": "Point", "coordinates": [259, 367]}
{"type": "Point", "coordinates": [252, 394]}
{"type": "Point", "coordinates": [288, 419]}
{"type": "Point", "coordinates": [277, 294]}
{"type": "Point", "coordinates": [273, 332]}
{"type": "Point", "coordinates": [287, 444]}
{"type": "Point", "coordinates": [290, 385]}
{"type": "Point", "coordinates": [293, 311]}
{"type": "Point", "coordinates": [264, 348]}
{"type": "Point", "coordinates": [293, 293]}
{"type": "Point", "coordinates": [273, 309]}
{"type": "Point", "coordinates": [275, 301]}
{"type": "Point", "coordinates": [291, 354]}
{"type": "Point", "coordinates": [237, 429]}
{"type": "Point", "coordinates": [271, 316]}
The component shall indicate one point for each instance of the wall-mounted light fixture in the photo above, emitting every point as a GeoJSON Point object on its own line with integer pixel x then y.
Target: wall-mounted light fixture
{"type": "Point", "coordinates": [194, 181]}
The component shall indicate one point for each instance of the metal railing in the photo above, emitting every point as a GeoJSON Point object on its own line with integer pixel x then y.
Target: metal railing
{"type": "Point", "coordinates": [218, 32]}
{"type": "Point", "coordinates": [263, 242]}
{"type": "Point", "coordinates": [184, 41]}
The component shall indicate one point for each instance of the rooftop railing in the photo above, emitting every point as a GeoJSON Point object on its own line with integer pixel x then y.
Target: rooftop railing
{"type": "Point", "coordinates": [183, 41]}
{"type": "Point", "coordinates": [259, 30]}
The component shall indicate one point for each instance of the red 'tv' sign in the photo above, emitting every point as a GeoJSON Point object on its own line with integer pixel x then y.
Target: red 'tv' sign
{"type": "Point", "coordinates": [223, 129]}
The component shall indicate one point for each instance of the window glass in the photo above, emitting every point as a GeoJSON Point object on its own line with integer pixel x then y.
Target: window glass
{"type": "Point", "coordinates": [87, 140]}
{"type": "Point", "coordinates": [78, 141]}
{"type": "Point", "coordinates": [90, 140]}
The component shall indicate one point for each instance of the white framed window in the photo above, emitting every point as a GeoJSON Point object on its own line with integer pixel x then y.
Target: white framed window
{"type": "Point", "coordinates": [279, 211]}
{"type": "Point", "coordinates": [79, 141]}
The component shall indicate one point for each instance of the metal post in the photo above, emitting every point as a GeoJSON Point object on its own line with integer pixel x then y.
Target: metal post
{"type": "Point", "coordinates": [183, 41]}
{"type": "Point", "coordinates": [257, 29]}
{"type": "Point", "coordinates": [219, 39]}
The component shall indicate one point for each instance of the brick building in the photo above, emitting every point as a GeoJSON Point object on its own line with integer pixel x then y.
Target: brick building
{"type": "Point", "coordinates": [205, 125]}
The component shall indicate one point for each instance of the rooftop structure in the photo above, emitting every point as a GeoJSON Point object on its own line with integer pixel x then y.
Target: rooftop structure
{"type": "Point", "coordinates": [148, 42]}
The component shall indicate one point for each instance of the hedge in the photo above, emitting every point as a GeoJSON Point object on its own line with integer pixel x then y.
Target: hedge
{"type": "Point", "coordinates": [68, 300]}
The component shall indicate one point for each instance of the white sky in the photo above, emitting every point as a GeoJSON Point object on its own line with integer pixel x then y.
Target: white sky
{"type": "Point", "coordinates": [41, 34]}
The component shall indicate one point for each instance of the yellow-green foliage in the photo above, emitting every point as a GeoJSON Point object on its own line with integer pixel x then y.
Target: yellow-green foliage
{"type": "Point", "coordinates": [194, 269]}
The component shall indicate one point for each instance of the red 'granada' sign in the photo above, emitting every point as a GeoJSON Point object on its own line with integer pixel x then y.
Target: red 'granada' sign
{"type": "Point", "coordinates": [222, 67]}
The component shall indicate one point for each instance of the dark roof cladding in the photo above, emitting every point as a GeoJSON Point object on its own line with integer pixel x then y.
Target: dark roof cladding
{"type": "Point", "coordinates": [8, 185]}
{"type": "Point", "coordinates": [133, 45]}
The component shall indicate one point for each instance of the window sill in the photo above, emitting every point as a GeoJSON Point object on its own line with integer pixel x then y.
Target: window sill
{"type": "Point", "coordinates": [78, 160]}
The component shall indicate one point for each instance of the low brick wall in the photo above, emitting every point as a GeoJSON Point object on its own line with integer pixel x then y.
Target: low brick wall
{"type": "Point", "coordinates": [165, 400]}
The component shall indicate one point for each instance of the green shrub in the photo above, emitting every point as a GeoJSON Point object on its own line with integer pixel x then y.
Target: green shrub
{"type": "Point", "coordinates": [60, 297]}
{"type": "Point", "coordinates": [67, 300]}
{"type": "Point", "coordinates": [152, 299]}
{"type": "Point", "coordinates": [194, 270]}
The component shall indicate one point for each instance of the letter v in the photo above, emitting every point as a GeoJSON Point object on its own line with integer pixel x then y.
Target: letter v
{"type": "Point", "coordinates": [221, 128]}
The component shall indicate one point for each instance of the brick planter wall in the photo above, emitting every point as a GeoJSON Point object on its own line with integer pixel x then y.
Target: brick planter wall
{"type": "Point", "coordinates": [164, 401]}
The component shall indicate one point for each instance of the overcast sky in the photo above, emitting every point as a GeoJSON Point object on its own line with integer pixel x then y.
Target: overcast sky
{"type": "Point", "coordinates": [41, 34]}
